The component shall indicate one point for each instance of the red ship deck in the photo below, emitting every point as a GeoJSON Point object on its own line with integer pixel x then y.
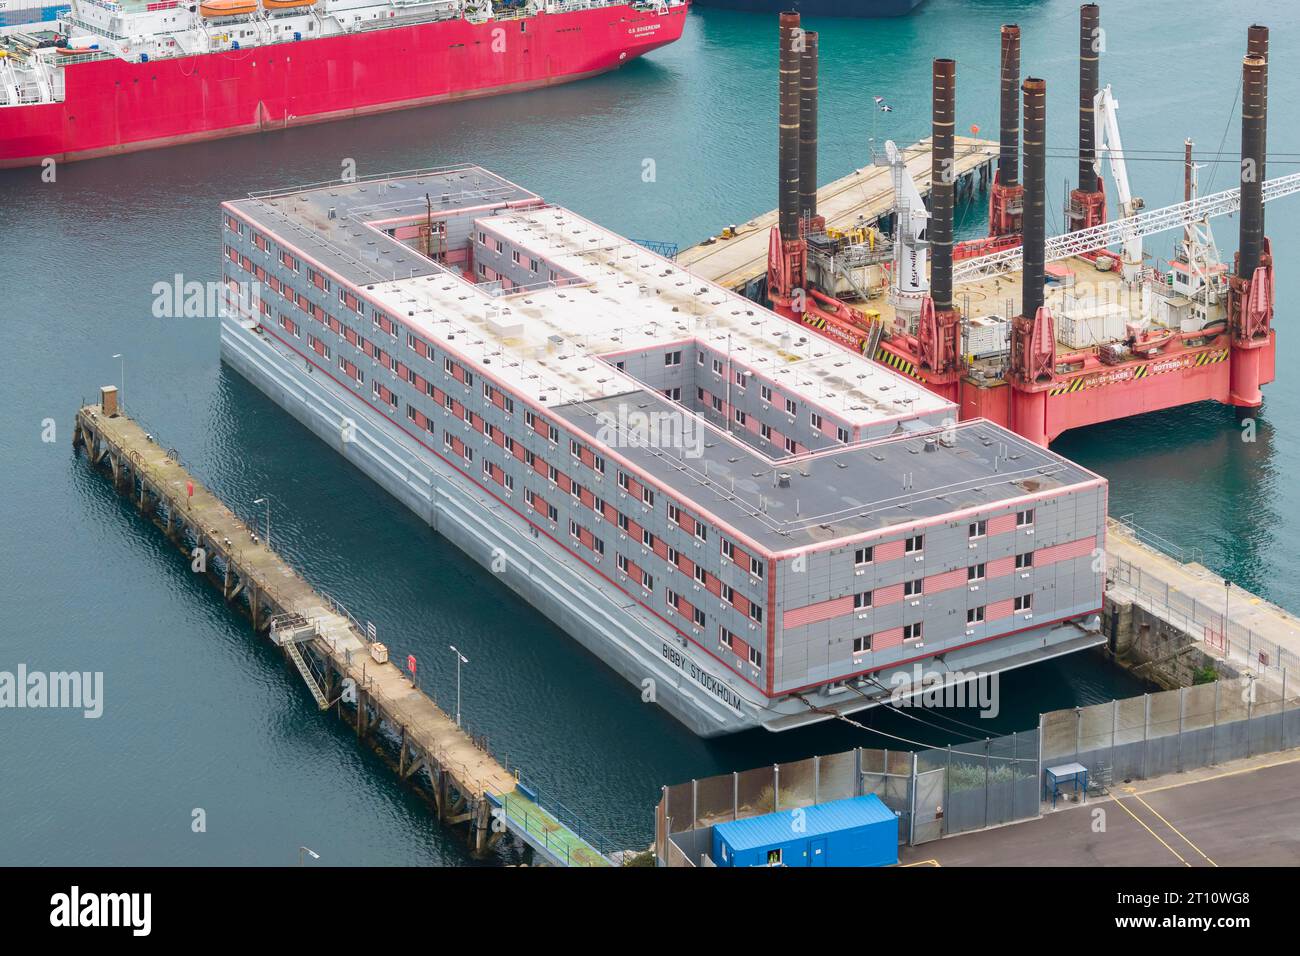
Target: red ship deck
{"type": "Point", "coordinates": [115, 106]}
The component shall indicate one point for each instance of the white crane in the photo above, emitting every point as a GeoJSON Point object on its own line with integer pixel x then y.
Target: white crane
{"type": "Point", "coordinates": [910, 283]}
{"type": "Point", "coordinates": [1106, 113]}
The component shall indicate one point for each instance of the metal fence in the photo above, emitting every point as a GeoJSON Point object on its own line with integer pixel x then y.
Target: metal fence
{"type": "Point", "coordinates": [1172, 731]}
{"type": "Point", "coordinates": [1238, 645]}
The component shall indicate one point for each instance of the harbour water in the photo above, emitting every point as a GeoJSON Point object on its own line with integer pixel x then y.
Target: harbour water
{"type": "Point", "coordinates": [198, 715]}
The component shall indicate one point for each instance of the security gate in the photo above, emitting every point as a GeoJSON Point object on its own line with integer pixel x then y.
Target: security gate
{"type": "Point", "coordinates": [927, 805]}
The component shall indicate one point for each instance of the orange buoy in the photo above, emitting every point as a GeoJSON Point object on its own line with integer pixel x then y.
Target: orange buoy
{"type": "Point", "coordinates": [286, 4]}
{"type": "Point", "coordinates": [227, 8]}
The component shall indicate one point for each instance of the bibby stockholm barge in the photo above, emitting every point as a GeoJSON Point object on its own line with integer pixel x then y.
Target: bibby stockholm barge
{"type": "Point", "coordinates": [750, 524]}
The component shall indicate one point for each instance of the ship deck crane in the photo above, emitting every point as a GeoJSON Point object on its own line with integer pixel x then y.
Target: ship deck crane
{"type": "Point", "coordinates": [1106, 113]}
{"type": "Point", "coordinates": [1149, 222]}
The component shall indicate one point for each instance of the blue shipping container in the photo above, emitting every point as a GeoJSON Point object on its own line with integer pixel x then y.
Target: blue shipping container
{"type": "Point", "coordinates": [860, 831]}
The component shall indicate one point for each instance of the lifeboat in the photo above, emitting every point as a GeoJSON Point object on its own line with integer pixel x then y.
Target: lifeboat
{"type": "Point", "coordinates": [227, 8]}
{"type": "Point", "coordinates": [286, 4]}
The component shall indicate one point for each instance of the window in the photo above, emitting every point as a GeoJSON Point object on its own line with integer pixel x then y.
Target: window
{"type": "Point", "coordinates": [756, 658]}
{"type": "Point", "coordinates": [674, 512]}
{"type": "Point", "coordinates": [647, 497]}
{"type": "Point", "coordinates": [914, 544]}
{"type": "Point", "coordinates": [573, 528]}
{"type": "Point", "coordinates": [1024, 602]}
{"type": "Point", "coordinates": [727, 593]}
{"type": "Point", "coordinates": [765, 392]}
{"type": "Point", "coordinates": [533, 264]}
{"type": "Point", "coordinates": [862, 556]}
{"type": "Point", "coordinates": [448, 402]}
{"type": "Point", "coordinates": [975, 572]}
{"type": "Point", "coordinates": [469, 379]}
{"type": "Point", "coordinates": [740, 380]}
{"type": "Point", "coordinates": [673, 556]}
{"type": "Point", "coordinates": [514, 256]}
{"type": "Point", "coordinates": [717, 366]}
{"type": "Point", "coordinates": [673, 394]}
{"type": "Point", "coordinates": [717, 403]}
{"type": "Point", "coordinates": [673, 358]}
{"type": "Point", "coordinates": [509, 444]}
{"type": "Point", "coordinates": [725, 637]}
{"type": "Point", "coordinates": [765, 430]}
{"type": "Point", "coordinates": [701, 575]}
{"type": "Point", "coordinates": [510, 404]}
{"type": "Point", "coordinates": [1025, 518]}
{"type": "Point", "coordinates": [861, 600]}
{"type": "Point", "coordinates": [790, 407]}
{"type": "Point", "coordinates": [487, 391]}
{"type": "Point", "coordinates": [975, 615]}
{"type": "Point", "coordinates": [598, 545]}
{"type": "Point", "coordinates": [622, 480]}
{"type": "Point", "coordinates": [552, 513]}
{"type": "Point", "coordinates": [1025, 560]}
{"type": "Point", "coordinates": [598, 465]}
{"type": "Point", "coordinates": [912, 632]}
{"type": "Point", "coordinates": [447, 365]}
{"type": "Point", "coordinates": [529, 458]}
{"type": "Point", "coordinates": [647, 538]}
{"type": "Point", "coordinates": [756, 567]}
{"type": "Point", "coordinates": [621, 561]}
{"type": "Point", "coordinates": [622, 522]}
{"type": "Point", "coordinates": [790, 445]}
{"type": "Point", "coordinates": [815, 421]}
{"type": "Point", "coordinates": [647, 581]}
{"type": "Point", "coordinates": [598, 505]}
{"type": "Point", "coordinates": [528, 495]}
{"type": "Point", "coordinates": [728, 550]}
{"type": "Point", "coordinates": [978, 529]}
{"type": "Point", "coordinates": [671, 597]}
{"type": "Point", "coordinates": [575, 490]}
{"type": "Point", "coordinates": [842, 434]}
{"type": "Point", "coordinates": [699, 358]}
{"type": "Point", "coordinates": [553, 434]}
{"type": "Point", "coordinates": [698, 617]}
{"type": "Point", "coordinates": [913, 587]}
{"type": "Point", "coordinates": [862, 644]}
{"type": "Point", "coordinates": [530, 419]}
{"type": "Point", "coordinates": [756, 613]}
{"type": "Point", "coordinates": [552, 474]}
{"type": "Point", "coordinates": [701, 531]}
{"type": "Point", "coordinates": [740, 417]}
{"type": "Point", "coordinates": [510, 482]}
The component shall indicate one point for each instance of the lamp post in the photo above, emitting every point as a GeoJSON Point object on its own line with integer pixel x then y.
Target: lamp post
{"type": "Point", "coordinates": [121, 385]}
{"type": "Point", "coordinates": [460, 659]}
{"type": "Point", "coordinates": [267, 502]}
{"type": "Point", "coordinates": [309, 851]}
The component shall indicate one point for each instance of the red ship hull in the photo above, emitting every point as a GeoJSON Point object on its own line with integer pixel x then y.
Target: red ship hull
{"type": "Point", "coordinates": [114, 106]}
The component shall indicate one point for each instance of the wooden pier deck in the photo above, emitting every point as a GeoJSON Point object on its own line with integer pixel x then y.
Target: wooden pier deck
{"type": "Point", "coordinates": [864, 193]}
{"type": "Point", "coordinates": [466, 784]}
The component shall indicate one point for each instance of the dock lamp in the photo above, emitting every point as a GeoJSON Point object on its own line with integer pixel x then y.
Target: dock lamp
{"type": "Point", "coordinates": [309, 851]}
{"type": "Point", "coordinates": [121, 385]}
{"type": "Point", "coordinates": [267, 502]}
{"type": "Point", "coordinates": [460, 659]}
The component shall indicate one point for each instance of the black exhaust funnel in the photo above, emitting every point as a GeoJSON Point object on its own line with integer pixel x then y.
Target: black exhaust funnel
{"type": "Point", "coordinates": [1254, 127]}
{"type": "Point", "coordinates": [943, 176]}
{"type": "Point", "coordinates": [1089, 50]}
{"type": "Point", "coordinates": [808, 127]}
{"type": "Point", "coordinates": [1009, 154]}
{"type": "Point", "coordinates": [788, 140]}
{"type": "Point", "coordinates": [1035, 176]}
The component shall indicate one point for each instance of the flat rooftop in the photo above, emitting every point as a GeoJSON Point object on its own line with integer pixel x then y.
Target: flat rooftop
{"type": "Point", "coordinates": [547, 342]}
{"type": "Point", "coordinates": [840, 491]}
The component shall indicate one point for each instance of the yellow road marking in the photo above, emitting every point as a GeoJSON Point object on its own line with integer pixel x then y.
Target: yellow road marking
{"type": "Point", "coordinates": [1120, 803]}
{"type": "Point", "coordinates": [922, 863]}
{"type": "Point", "coordinates": [1220, 776]}
{"type": "Point", "coordinates": [1175, 829]}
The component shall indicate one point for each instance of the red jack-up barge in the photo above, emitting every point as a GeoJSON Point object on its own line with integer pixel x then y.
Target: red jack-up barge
{"type": "Point", "coordinates": [1098, 335]}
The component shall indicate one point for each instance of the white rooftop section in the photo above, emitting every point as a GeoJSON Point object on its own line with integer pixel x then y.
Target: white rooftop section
{"type": "Point", "coordinates": [549, 338]}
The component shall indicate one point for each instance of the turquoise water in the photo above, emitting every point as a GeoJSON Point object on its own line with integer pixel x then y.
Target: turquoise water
{"type": "Point", "coordinates": [198, 715]}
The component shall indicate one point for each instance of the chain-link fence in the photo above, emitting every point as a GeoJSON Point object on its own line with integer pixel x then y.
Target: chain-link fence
{"type": "Point", "coordinates": [1175, 730]}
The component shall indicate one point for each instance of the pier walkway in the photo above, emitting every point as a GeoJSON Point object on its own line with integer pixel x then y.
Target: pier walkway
{"type": "Point", "coordinates": [863, 194]}
{"type": "Point", "coordinates": [1177, 589]}
{"type": "Point", "coordinates": [343, 668]}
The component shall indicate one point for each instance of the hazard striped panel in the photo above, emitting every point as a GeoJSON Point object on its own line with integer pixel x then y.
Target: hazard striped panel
{"type": "Point", "coordinates": [1158, 366]}
{"type": "Point", "coordinates": [898, 363]}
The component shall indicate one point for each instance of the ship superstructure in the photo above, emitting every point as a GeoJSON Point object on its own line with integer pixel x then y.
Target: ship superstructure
{"type": "Point", "coordinates": [750, 524]}
{"type": "Point", "coordinates": [118, 76]}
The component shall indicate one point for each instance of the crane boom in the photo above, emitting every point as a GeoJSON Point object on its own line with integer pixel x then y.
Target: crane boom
{"type": "Point", "coordinates": [1106, 111]}
{"type": "Point", "coordinates": [1146, 223]}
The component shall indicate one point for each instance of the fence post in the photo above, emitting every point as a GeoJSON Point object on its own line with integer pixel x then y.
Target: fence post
{"type": "Point", "coordinates": [1078, 731]}
{"type": "Point", "coordinates": [1282, 728]}
{"type": "Point", "coordinates": [776, 787]}
{"type": "Point", "coordinates": [695, 801]}
{"type": "Point", "coordinates": [1182, 709]}
{"type": "Point", "coordinates": [1039, 782]}
{"type": "Point", "coordinates": [1250, 711]}
{"type": "Point", "coordinates": [1146, 731]}
{"type": "Point", "coordinates": [857, 772]}
{"type": "Point", "coordinates": [986, 780]}
{"type": "Point", "coordinates": [1114, 732]}
{"type": "Point", "coordinates": [947, 792]}
{"type": "Point", "coordinates": [735, 795]}
{"type": "Point", "coordinates": [911, 822]}
{"type": "Point", "coordinates": [1214, 727]}
{"type": "Point", "coordinates": [817, 779]}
